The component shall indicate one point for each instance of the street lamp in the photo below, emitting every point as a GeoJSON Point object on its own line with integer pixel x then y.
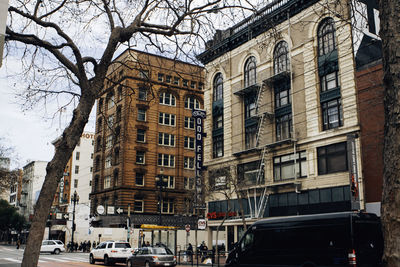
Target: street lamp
{"type": "Point", "coordinates": [74, 200]}
{"type": "Point", "coordinates": [161, 182]}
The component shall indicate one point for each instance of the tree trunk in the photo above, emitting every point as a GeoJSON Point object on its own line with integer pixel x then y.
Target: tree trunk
{"type": "Point", "coordinates": [390, 34]}
{"type": "Point", "coordinates": [54, 171]}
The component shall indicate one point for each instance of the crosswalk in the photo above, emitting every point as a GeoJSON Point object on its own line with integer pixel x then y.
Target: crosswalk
{"type": "Point", "coordinates": [43, 259]}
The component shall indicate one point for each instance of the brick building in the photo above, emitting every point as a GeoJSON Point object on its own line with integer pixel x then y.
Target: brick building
{"type": "Point", "coordinates": [144, 148]}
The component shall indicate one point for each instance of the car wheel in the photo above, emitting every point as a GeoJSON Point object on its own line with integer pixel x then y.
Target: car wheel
{"type": "Point", "coordinates": [91, 259]}
{"type": "Point", "coordinates": [129, 263]}
{"type": "Point", "coordinates": [147, 264]}
{"type": "Point", "coordinates": [106, 260]}
{"type": "Point", "coordinates": [57, 251]}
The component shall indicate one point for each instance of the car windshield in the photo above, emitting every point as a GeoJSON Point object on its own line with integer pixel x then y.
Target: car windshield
{"type": "Point", "coordinates": [161, 251]}
{"type": "Point", "coordinates": [122, 245]}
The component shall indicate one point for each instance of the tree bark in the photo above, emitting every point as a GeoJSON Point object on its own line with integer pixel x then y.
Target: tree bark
{"type": "Point", "coordinates": [390, 34]}
{"type": "Point", "coordinates": [54, 171]}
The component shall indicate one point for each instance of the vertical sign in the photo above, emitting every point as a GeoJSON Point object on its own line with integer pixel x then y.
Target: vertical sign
{"type": "Point", "coordinates": [60, 199]}
{"type": "Point", "coordinates": [199, 116]}
{"type": "Point", "coordinates": [353, 172]}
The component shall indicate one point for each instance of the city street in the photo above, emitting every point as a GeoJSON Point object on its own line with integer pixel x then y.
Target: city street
{"type": "Point", "coordinates": [10, 257]}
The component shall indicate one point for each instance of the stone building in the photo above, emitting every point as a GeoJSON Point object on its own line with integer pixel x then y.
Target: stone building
{"type": "Point", "coordinates": [282, 118]}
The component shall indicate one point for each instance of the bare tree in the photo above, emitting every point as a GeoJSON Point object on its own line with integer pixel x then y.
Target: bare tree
{"type": "Point", "coordinates": [8, 176]}
{"type": "Point", "coordinates": [66, 48]}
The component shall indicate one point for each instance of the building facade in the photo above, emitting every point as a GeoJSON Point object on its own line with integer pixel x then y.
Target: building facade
{"type": "Point", "coordinates": [77, 179]}
{"type": "Point", "coordinates": [32, 181]}
{"type": "Point", "coordinates": [144, 149]}
{"type": "Point", "coordinates": [282, 116]}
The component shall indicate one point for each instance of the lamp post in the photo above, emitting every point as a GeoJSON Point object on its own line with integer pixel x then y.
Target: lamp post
{"type": "Point", "coordinates": [74, 200]}
{"type": "Point", "coordinates": [161, 182]}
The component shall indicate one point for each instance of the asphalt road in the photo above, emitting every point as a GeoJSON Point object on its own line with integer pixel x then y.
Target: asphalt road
{"type": "Point", "coordinates": [10, 257]}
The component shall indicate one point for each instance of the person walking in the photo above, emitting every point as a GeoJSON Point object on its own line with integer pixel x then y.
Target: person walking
{"type": "Point", "coordinates": [189, 252]}
{"type": "Point", "coordinates": [18, 243]}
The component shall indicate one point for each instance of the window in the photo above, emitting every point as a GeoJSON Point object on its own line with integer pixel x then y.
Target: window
{"type": "Point", "coordinates": [250, 105]}
{"type": "Point", "coordinates": [281, 59]}
{"type": "Point", "coordinates": [167, 205]}
{"type": "Point", "coordinates": [110, 121]}
{"type": "Point", "coordinates": [99, 125]}
{"type": "Point", "coordinates": [100, 106]}
{"type": "Point", "coordinates": [250, 72]}
{"type": "Point", "coordinates": [282, 94]}
{"type": "Point", "coordinates": [185, 83]}
{"type": "Point", "coordinates": [166, 160]}
{"type": "Point", "coordinates": [218, 146]}
{"type": "Point", "coordinates": [329, 81]}
{"type": "Point", "coordinates": [91, 169]}
{"type": "Point", "coordinates": [332, 158]}
{"type": "Point", "coordinates": [201, 86]}
{"type": "Point", "coordinates": [218, 87]}
{"type": "Point", "coordinates": [170, 181]}
{"type": "Point", "coordinates": [108, 162]}
{"type": "Point", "coordinates": [332, 114]}
{"type": "Point", "coordinates": [217, 122]}
{"type": "Point", "coordinates": [248, 173]}
{"type": "Point", "coordinates": [188, 163]}
{"type": "Point", "coordinates": [109, 141]}
{"type": "Point", "coordinates": [110, 101]}
{"type": "Point", "coordinates": [76, 169]}
{"type": "Point", "coordinates": [189, 123]}
{"type": "Point", "coordinates": [250, 136]}
{"type": "Point", "coordinates": [142, 93]}
{"type": "Point", "coordinates": [160, 77]}
{"type": "Point", "coordinates": [144, 74]}
{"type": "Point", "coordinates": [165, 139]}
{"type": "Point", "coordinates": [119, 93]}
{"type": "Point", "coordinates": [116, 156]}
{"type": "Point", "coordinates": [193, 84]}
{"type": "Point", "coordinates": [284, 166]}
{"type": "Point", "coordinates": [192, 103]}
{"type": "Point", "coordinates": [139, 179]}
{"type": "Point", "coordinates": [176, 80]}
{"type": "Point", "coordinates": [168, 78]}
{"type": "Point", "coordinates": [140, 157]}
{"type": "Point", "coordinates": [326, 37]}
{"type": "Point", "coordinates": [118, 114]}
{"type": "Point", "coordinates": [107, 181]}
{"type": "Point", "coordinates": [98, 144]}
{"type": "Point", "coordinates": [138, 205]}
{"type": "Point", "coordinates": [166, 119]}
{"type": "Point", "coordinates": [75, 183]}
{"type": "Point", "coordinates": [167, 99]}
{"type": "Point", "coordinates": [188, 183]}
{"type": "Point", "coordinates": [77, 155]}
{"type": "Point", "coordinates": [97, 164]}
{"type": "Point", "coordinates": [189, 142]}
{"type": "Point", "coordinates": [141, 135]}
{"type": "Point", "coordinates": [284, 127]}
{"type": "Point", "coordinates": [141, 114]}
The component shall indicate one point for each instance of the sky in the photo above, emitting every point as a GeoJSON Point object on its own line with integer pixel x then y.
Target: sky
{"type": "Point", "coordinates": [29, 133]}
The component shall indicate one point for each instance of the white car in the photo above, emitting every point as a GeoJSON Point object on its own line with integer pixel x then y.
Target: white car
{"type": "Point", "coordinates": [52, 246]}
{"type": "Point", "coordinates": [111, 252]}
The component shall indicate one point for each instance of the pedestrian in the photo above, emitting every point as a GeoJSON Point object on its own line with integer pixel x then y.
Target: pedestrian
{"type": "Point", "coordinates": [89, 246]}
{"type": "Point", "coordinates": [18, 243]}
{"type": "Point", "coordinates": [189, 252]}
{"type": "Point", "coordinates": [147, 244]}
{"type": "Point", "coordinates": [76, 246]}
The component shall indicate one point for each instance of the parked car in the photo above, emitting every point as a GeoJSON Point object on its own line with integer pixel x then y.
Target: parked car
{"type": "Point", "coordinates": [52, 246]}
{"type": "Point", "coordinates": [332, 239]}
{"type": "Point", "coordinates": [152, 256]}
{"type": "Point", "coordinates": [111, 252]}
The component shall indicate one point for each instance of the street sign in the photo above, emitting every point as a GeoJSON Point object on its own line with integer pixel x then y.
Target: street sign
{"type": "Point", "coordinates": [100, 209]}
{"type": "Point", "coordinates": [66, 216]}
{"type": "Point", "coordinates": [119, 210]}
{"type": "Point", "coordinates": [201, 224]}
{"type": "Point", "coordinates": [59, 216]}
{"type": "Point", "coordinates": [110, 210]}
{"type": "Point", "coordinates": [187, 227]}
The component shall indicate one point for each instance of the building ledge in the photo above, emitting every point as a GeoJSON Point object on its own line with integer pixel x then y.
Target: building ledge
{"type": "Point", "coordinates": [248, 89]}
{"type": "Point", "coordinates": [280, 76]}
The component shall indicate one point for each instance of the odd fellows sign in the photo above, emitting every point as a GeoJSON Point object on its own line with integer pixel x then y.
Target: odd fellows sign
{"type": "Point", "coordinates": [199, 116]}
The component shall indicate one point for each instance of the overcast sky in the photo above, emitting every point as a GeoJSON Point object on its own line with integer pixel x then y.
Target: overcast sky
{"type": "Point", "coordinates": [30, 133]}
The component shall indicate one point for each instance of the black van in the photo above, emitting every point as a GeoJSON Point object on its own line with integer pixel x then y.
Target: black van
{"type": "Point", "coordinates": [332, 239]}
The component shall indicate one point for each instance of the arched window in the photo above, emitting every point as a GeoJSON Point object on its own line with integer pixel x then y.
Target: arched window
{"type": "Point", "coordinates": [192, 103]}
{"type": "Point", "coordinates": [218, 87]}
{"type": "Point", "coordinates": [326, 37]}
{"type": "Point", "coordinates": [250, 72]}
{"type": "Point", "coordinates": [281, 57]}
{"type": "Point", "coordinates": [98, 144]}
{"type": "Point", "coordinates": [167, 99]}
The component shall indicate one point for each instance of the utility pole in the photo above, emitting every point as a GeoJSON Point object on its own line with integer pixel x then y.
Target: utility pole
{"type": "Point", "coordinates": [74, 200]}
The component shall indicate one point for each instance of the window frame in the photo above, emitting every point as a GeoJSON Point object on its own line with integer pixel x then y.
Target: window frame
{"type": "Point", "coordinates": [163, 117]}
{"type": "Point", "coordinates": [323, 154]}
{"type": "Point", "coordinates": [281, 123]}
{"type": "Point", "coordinates": [335, 106]}
{"type": "Point", "coordinates": [164, 96]}
{"type": "Point", "coordinates": [141, 116]}
{"type": "Point", "coordinates": [166, 160]}
{"type": "Point", "coordinates": [137, 177]}
{"type": "Point", "coordinates": [141, 133]}
{"type": "Point", "coordinates": [192, 103]}
{"type": "Point", "coordinates": [218, 146]}
{"type": "Point", "coordinates": [188, 122]}
{"type": "Point", "coordinates": [326, 37]}
{"type": "Point", "coordinates": [189, 142]}
{"type": "Point", "coordinates": [282, 161]}
{"type": "Point", "coordinates": [281, 57]}
{"type": "Point", "coordinates": [138, 155]}
{"type": "Point", "coordinates": [188, 163]}
{"type": "Point", "coordinates": [163, 137]}
{"type": "Point", "coordinates": [250, 72]}
{"type": "Point", "coordinates": [218, 87]}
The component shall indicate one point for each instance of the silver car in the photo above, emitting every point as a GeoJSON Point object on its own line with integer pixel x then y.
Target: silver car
{"type": "Point", "coordinates": [52, 246]}
{"type": "Point", "coordinates": [151, 257]}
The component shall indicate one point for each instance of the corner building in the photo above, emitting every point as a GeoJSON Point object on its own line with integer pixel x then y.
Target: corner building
{"type": "Point", "coordinates": [144, 135]}
{"type": "Point", "coordinates": [282, 116]}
